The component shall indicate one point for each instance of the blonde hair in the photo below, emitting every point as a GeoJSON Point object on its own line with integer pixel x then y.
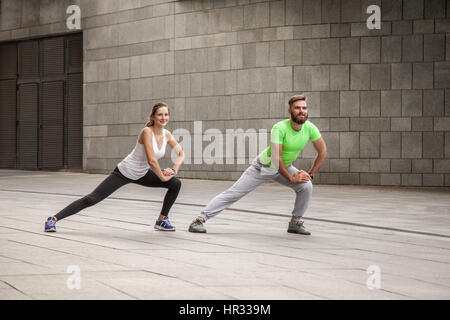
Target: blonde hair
{"type": "Point", "coordinates": [155, 108]}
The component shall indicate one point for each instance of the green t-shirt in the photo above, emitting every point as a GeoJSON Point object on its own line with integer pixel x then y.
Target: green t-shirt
{"type": "Point", "coordinates": [293, 141]}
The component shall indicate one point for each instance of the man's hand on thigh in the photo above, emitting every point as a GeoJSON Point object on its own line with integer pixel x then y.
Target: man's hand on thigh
{"type": "Point", "coordinates": [301, 177]}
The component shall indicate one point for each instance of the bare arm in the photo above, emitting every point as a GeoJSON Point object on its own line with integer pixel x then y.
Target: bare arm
{"type": "Point", "coordinates": [177, 148]}
{"type": "Point", "coordinates": [321, 149]}
{"type": "Point", "coordinates": [275, 155]}
{"type": "Point", "coordinates": [146, 136]}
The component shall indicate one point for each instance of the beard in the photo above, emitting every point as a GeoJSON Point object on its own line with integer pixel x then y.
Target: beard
{"type": "Point", "coordinates": [297, 120]}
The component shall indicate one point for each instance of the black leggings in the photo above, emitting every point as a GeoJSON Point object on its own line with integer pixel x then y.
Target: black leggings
{"type": "Point", "coordinates": [116, 180]}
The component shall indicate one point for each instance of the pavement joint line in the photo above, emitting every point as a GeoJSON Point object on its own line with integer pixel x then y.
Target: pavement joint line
{"type": "Point", "coordinates": [250, 211]}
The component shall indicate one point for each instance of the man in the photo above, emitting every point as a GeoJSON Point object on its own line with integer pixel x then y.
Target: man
{"type": "Point", "coordinates": [288, 138]}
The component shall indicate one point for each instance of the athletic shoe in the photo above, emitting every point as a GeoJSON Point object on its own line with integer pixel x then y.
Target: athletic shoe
{"type": "Point", "coordinates": [298, 228]}
{"type": "Point", "coordinates": [197, 226]}
{"type": "Point", "coordinates": [164, 225]}
{"type": "Point", "coordinates": [50, 225]}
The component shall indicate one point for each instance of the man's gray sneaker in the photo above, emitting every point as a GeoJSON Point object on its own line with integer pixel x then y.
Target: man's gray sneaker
{"type": "Point", "coordinates": [298, 228]}
{"type": "Point", "coordinates": [197, 226]}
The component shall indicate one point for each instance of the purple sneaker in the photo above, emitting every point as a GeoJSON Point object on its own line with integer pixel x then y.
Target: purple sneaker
{"type": "Point", "coordinates": [50, 225]}
{"type": "Point", "coordinates": [164, 225]}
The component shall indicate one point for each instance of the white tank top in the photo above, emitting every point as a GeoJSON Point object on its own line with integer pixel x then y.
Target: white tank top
{"type": "Point", "coordinates": [135, 165]}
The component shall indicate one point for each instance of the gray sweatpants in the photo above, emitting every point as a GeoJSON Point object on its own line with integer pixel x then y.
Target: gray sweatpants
{"type": "Point", "coordinates": [252, 177]}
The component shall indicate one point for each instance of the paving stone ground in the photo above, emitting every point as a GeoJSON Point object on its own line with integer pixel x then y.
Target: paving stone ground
{"type": "Point", "coordinates": [403, 233]}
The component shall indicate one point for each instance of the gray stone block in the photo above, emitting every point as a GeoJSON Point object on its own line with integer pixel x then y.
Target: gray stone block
{"type": "Point", "coordinates": [441, 166]}
{"type": "Point", "coordinates": [310, 52]}
{"type": "Point", "coordinates": [349, 144]}
{"type": "Point", "coordinates": [339, 124]}
{"type": "Point", "coordinates": [293, 52]}
{"type": "Point", "coordinates": [433, 180]}
{"type": "Point", "coordinates": [359, 124]}
{"type": "Point", "coordinates": [340, 77]}
{"type": "Point", "coordinates": [379, 165]}
{"type": "Point", "coordinates": [390, 144]}
{"type": "Point", "coordinates": [348, 178]}
{"type": "Point", "coordinates": [422, 166]}
{"type": "Point", "coordinates": [447, 102]}
{"type": "Point", "coordinates": [359, 77]}
{"type": "Point", "coordinates": [433, 102]}
{"type": "Point", "coordinates": [350, 50]}
{"type": "Point", "coordinates": [412, 48]}
{"type": "Point", "coordinates": [369, 144]}
{"type": "Point", "coordinates": [351, 11]}
{"type": "Point", "coordinates": [370, 179]}
{"type": "Point", "coordinates": [422, 124]}
{"type": "Point", "coordinates": [303, 32]}
{"type": "Point", "coordinates": [447, 176]}
{"type": "Point", "coordinates": [294, 12]}
{"type": "Point", "coordinates": [276, 53]}
{"type": "Point", "coordinates": [331, 11]}
{"type": "Point", "coordinates": [256, 15]}
{"type": "Point", "coordinates": [332, 141]}
{"type": "Point", "coordinates": [302, 78]}
{"type": "Point", "coordinates": [434, 9]}
{"type": "Point", "coordinates": [411, 102]}
{"type": "Point", "coordinates": [447, 46]}
{"type": "Point", "coordinates": [413, 9]}
{"type": "Point", "coordinates": [443, 25]}
{"type": "Point", "coordinates": [423, 75]}
{"type": "Point", "coordinates": [380, 76]}
{"type": "Point", "coordinates": [349, 103]}
{"type": "Point", "coordinates": [328, 178]}
{"type": "Point", "coordinates": [400, 166]}
{"type": "Point", "coordinates": [277, 13]}
{"type": "Point", "coordinates": [423, 26]}
{"type": "Point", "coordinates": [442, 75]}
{"type": "Point", "coordinates": [391, 103]}
{"type": "Point", "coordinates": [359, 165]}
{"type": "Point", "coordinates": [402, 27]}
{"type": "Point", "coordinates": [262, 54]}
{"type": "Point", "coordinates": [390, 179]}
{"type": "Point", "coordinates": [329, 51]}
{"type": "Point", "coordinates": [320, 78]}
{"type": "Point", "coordinates": [339, 165]}
{"type": "Point", "coordinates": [401, 124]}
{"type": "Point", "coordinates": [391, 10]}
{"type": "Point", "coordinates": [329, 104]}
{"type": "Point", "coordinates": [320, 31]}
{"type": "Point", "coordinates": [219, 58]}
{"type": "Point", "coordinates": [433, 145]}
{"type": "Point", "coordinates": [411, 179]}
{"type": "Point", "coordinates": [312, 12]}
{"type": "Point", "coordinates": [411, 145]}
{"type": "Point", "coordinates": [340, 30]}
{"type": "Point", "coordinates": [442, 124]}
{"type": "Point", "coordinates": [370, 103]}
{"type": "Point", "coordinates": [447, 144]}
{"type": "Point", "coordinates": [284, 79]}
{"type": "Point", "coordinates": [434, 47]}
{"type": "Point", "coordinates": [401, 75]}
{"type": "Point", "coordinates": [249, 55]}
{"type": "Point", "coordinates": [391, 49]}
{"type": "Point", "coordinates": [370, 49]}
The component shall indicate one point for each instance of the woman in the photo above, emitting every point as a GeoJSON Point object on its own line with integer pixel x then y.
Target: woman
{"type": "Point", "coordinates": [141, 167]}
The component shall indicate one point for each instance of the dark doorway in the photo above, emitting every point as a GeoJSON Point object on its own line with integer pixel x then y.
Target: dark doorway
{"type": "Point", "coordinates": [41, 103]}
